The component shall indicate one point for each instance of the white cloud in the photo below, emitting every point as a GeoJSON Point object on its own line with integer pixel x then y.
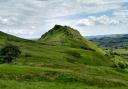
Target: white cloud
{"type": "Point", "coordinates": [86, 22]}
{"type": "Point", "coordinates": [121, 13]}
{"type": "Point", "coordinates": [103, 29]}
{"type": "Point", "coordinates": [100, 20]}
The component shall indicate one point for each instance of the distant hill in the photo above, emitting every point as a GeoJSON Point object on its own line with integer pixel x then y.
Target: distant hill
{"type": "Point", "coordinates": [111, 41]}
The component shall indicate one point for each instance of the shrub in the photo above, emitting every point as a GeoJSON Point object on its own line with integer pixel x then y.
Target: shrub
{"type": "Point", "coordinates": [8, 53]}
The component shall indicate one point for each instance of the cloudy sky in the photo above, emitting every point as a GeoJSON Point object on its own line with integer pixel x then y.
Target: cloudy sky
{"type": "Point", "coordinates": [32, 18]}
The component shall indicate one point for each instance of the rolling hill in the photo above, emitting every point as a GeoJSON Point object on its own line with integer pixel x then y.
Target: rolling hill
{"type": "Point", "coordinates": [67, 36]}
{"type": "Point", "coordinates": [60, 59]}
{"type": "Point", "coordinates": [64, 41]}
{"type": "Point", "coordinates": [7, 38]}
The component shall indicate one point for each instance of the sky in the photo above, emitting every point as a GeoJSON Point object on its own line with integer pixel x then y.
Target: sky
{"type": "Point", "coordinates": [31, 18]}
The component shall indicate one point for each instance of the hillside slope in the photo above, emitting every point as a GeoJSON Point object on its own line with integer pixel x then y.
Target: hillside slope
{"type": "Point", "coordinates": [67, 36]}
{"type": "Point", "coordinates": [75, 50]}
{"type": "Point", "coordinates": [7, 38]}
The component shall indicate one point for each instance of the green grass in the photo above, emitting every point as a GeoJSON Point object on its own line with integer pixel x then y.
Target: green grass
{"type": "Point", "coordinates": [89, 75]}
{"type": "Point", "coordinates": [44, 54]}
{"type": "Point", "coordinates": [12, 84]}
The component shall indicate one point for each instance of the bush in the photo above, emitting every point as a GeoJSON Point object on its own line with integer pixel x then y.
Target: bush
{"type": "Point", "coordinates": [8, 53]}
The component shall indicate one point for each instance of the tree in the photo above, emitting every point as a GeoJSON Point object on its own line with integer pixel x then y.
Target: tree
{"type": "Point", "coordinates": [8, 53]}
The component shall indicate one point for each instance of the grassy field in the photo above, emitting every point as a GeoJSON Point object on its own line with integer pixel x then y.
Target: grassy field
{"type": "Point", "coordinates": [12, 84]}
{"type": "Point", "coordinates": [67, 77]}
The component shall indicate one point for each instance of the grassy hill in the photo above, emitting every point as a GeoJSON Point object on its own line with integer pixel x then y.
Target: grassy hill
{"type": "Point", "coordinates": [71, 47]}
{"type": "Point", "coordinates": [4, 37]}
{"type": "Point", "coordinates": [45, 51]}
{"type": "Point", "coordinates": [60, 59]}
{"type": "Point", "coordinates": [67, 36]}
